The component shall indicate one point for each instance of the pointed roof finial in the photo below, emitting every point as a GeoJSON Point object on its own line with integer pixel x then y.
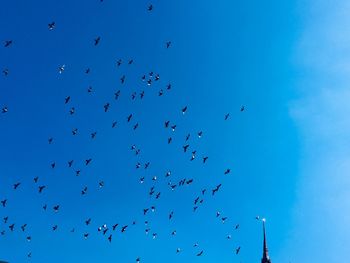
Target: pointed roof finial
{"type": "Point", "coordinates": [265, 258]}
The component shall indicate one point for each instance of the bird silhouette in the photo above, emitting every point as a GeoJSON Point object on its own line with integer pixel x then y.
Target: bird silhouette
{"type": "Point", "coordinates": [97, 40]}
{"type": "Point", "coordinates": [51, 25]}
{"type": "Point", "coordinates": [8, 43]}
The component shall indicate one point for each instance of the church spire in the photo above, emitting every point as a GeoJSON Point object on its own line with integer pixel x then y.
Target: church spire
{"type": "Point", "coordinates": [265, 258]}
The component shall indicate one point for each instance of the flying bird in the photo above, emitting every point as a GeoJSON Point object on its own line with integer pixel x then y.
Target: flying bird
{"type": "Point", "coordinates": [51, 25]}
{"type": "Point", "coordinates": [61, 69]}
{"type": "Point", "coordinates": [97, 40]}
{"type": "Point", "coordinates": [4, 110]}
{"type": "Point", "coordinates": [8, 43]}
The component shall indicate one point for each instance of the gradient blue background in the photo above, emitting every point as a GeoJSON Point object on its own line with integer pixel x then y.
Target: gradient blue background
{"type": "Point", "coordinates": [224, 54]}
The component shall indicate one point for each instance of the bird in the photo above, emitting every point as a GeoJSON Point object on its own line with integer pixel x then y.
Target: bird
{"type": "Point", "coordinates": [223, 219]}
{"type": "Point", "coordinates": [88, 161]}
{"type": "Point", "coordinates": [41, 188]}
{"type": "Point", "coordinates": [124, 228]}
{"type": "Point", "coordinates": [184, 110]}
{"type": "Point", "coordinates": [200, 253]}
{"type": "Point", "coordinates": [5, 219]}
{"type": "Point", "coordinates": [216, 189]}
{"type": "Point", "coordinates": [205, 159]}
{"type": "Point", "coordinates": [193, 155]}
{"type": "Point", "coordinates": [237, 250]}
{"type": "Point", "coordinates": [227, 115]}
{"type": "Point", "coordinates": [4, 202]}
{"type": "Point", "coordinates": [51, 25]}
{"type": "Point", "coordinates": [67, 99]}
{"type": "Point", "coordinates": [5, 72]}
{"type": "Point", "coordinates": [70, 163]}
{"type": "Point", "coordinates": [242, 108]}
{"type": "Point", "coordinates": [23, 227]}
{"type": "Point", "coordinates": [117, 94]}
{"type": "Point", "coordinates": [185, 147]}
{"type": "Point", "coordinates": [88, 221]}
{"type": "Point", "coordinates": [87, 71]}
{"type": "Point", "coordinates": [8, 43]}
{"type": "Point", "coordinates": [110, 238]}
{"type": "Point", "coordinates": [129, 118]}
{"type": "Point", "coordinates": [61, 69]}
{"type": "Point", "coordinates": [168, 43]}
{"type": "Point", "coordinates": [56, 208]}
{"type": "Point", "coordinates": [50, 140]}
{"type": "Point", "coordinates": [16, 185]}
{"type": "Point", "coordinates": [84, 191]}
{"type": "Point", "coordinates": [75, 131]}
{"type": "Point", "coordinates": [227, 171]}
{"type": "Point", "coordinates": [36, 179]}
{"type": "Point", "coordinates": [4, 110]}
{"type": "Point", "coordinates": [97, 40]}
{"type": "Point", "coordinates": [101, 184]}
{"type": "Point", "coordinates": [93, 135]}
{"type": "Point", "coordinates": [150, 7]}
{"type": "Point", "coordinates": [106, 107]}
{"type": "Point", "coordinates": [12, 227]}
{"type": "Point", "coordinates": [114, 124]}
{"type": "Point", "coordinates": [196, 200]}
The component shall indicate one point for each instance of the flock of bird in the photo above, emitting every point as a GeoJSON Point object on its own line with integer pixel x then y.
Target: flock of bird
{"type": "Point", "coordinates": [109, 231]}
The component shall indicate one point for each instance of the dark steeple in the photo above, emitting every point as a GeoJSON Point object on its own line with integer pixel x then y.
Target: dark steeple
{"type": "Point", "coordinates": [265, 258]}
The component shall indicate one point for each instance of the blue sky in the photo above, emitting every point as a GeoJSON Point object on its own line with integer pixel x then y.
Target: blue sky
{"type": "Point", "coordinates": [282, 60]}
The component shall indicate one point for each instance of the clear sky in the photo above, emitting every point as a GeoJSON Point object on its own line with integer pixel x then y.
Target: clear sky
{"type": "Point", "coordinates": [285, 61]}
